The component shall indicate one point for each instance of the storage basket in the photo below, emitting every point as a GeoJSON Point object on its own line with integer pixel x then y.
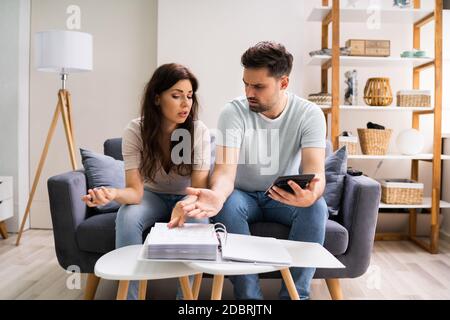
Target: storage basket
{"type": "Point", "coordinates": [373, 141]}
{"type": "Point", "coordinates": [378, 92]}
{"type": "Point", "coordinates": [414, 98]}
{"type": "Point", "coordinates": [401, 191]}
{"type": "Point", "coordinates": [321, 99]}
{"type": "Point", "coordinates": [350, 142]}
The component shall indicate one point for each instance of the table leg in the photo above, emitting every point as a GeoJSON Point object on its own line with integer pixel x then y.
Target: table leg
{"type": "Point", "coordinates": [91, 286]}
{"type": "Point", "coordinates": [122, 291]}
{"type": "Point", "coordinates": [196, 286]}
{"type": "Point", "coordinates": [186, 288]}
{"type": "Point", "coordinates": [217, 287]}
{"type": "Point", "coordinates": [142, 289]}
{"type": "Point", "coordinates": [290, 285]}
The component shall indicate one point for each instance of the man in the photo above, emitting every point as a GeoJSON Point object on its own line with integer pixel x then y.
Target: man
{"type": "Point", "coordinates": [296, 130]}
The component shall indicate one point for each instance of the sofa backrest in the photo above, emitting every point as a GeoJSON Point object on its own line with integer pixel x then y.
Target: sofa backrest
{"type": "Point", "coordinates": [113, 148]}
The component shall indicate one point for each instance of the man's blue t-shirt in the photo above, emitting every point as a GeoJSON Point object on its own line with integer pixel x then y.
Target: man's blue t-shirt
{"type": "Point", "coordinates": [270, 147]}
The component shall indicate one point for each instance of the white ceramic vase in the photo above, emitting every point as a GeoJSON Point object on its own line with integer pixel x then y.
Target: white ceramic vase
{"type": "Point", "coordinates": [410, 142]}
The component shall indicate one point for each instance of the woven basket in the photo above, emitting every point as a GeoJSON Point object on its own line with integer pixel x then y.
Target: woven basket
{"type": "Point", "coordinates": [413, 99]}
{"type": "Point", "coordinates": [351, 144]}
{"type": "Point", "coordinates": [378, 92]}
{"type": "Point", "coordinates": [324, 99]}
{"type": "Point", "coordinates": [401, 193]}
{"type": "Point", "coordinates": [373, 141]}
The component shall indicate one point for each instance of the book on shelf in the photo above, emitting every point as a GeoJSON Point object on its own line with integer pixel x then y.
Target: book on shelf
{"type": "Point", "coordinates": [211, 243]}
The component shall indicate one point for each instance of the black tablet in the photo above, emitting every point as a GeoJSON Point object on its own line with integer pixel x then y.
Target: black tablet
{"type": "Point", "coordinates": [302, 180]}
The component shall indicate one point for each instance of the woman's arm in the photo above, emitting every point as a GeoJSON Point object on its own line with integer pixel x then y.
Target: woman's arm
{"type": "Point", "coordinates": [131, 194]}
{"type": "Point", "coordinates": [199, 180]}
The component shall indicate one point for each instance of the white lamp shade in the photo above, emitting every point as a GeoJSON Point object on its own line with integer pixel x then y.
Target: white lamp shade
{"type": "Point", "coordinates": [63, 51]}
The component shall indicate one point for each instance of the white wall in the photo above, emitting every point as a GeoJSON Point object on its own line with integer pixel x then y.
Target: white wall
{"type": "Point", "coordinates": [14, 89]}
{"type": "Point", "coordinates": [104, 100]}
{"type": "Point", "coordinates": [210, 36]}
{"type": "Point", "coordinates": [218, 32]}
{"type": "Point", "coordinates": [446, 124]}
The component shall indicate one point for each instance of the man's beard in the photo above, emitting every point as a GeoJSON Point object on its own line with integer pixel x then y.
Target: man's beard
{"type": "Point", "coordinates": [258, 108]}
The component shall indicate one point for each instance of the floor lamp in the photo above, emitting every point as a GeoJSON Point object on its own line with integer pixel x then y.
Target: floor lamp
{"type": "Point", "coordinates": [62, 52]}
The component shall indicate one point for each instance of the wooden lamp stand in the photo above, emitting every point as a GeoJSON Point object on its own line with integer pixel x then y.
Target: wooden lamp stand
{"type": "Point", "coordinates": [63, 108]}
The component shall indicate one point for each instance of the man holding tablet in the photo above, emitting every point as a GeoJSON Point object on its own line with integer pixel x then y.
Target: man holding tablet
{"type": "Point", "coordinates": [260, 137]}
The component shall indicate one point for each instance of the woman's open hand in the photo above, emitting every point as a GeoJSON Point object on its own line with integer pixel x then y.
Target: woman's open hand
{"type": "Point", "coordinates": [99, 196]}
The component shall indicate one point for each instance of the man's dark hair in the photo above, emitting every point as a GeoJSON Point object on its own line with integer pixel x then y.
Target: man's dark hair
{"type": "Point", "coordinates": [270, 55]}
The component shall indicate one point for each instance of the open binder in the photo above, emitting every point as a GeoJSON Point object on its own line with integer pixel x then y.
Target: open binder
{"type": "Point", "coordinates": [211, 243]}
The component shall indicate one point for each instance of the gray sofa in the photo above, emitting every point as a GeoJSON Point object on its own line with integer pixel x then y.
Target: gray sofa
{"type": "Point", "coordinates": [82, 236]}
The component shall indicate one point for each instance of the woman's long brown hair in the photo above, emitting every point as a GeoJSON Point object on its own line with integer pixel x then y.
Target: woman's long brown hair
{"type": "Point", "coordinates": [165, 77]}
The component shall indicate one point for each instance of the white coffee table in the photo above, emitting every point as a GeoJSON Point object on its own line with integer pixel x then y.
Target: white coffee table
{"type": "Point", "coordinates": [304, 255]}
{"type": "Point", "coordinates": [122, 264]}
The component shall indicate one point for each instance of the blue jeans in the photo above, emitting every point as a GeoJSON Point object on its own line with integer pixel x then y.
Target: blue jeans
{"type": "Point", "coordinates": [133, 220]}
{"type": "Point", "coordinates": [307, 224]}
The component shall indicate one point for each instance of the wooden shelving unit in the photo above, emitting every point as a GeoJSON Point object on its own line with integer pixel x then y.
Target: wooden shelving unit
{"type": "Point", "coordinates": [332, 14]}
{"type": "Point", "coordinates": [376, 109]}
{"type": "Point", "coordinates": [364, 62]}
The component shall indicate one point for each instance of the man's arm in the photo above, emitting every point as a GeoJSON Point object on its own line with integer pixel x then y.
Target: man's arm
{"type": "Point", "coordinates": [224, 175]}
{"type": "Point", "coordinates": [313, 162]}
{"type": "Point", "coordinates": [210, 201]}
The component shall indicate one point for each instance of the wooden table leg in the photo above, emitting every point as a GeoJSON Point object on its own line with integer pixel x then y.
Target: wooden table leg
{"type": "Point", "coordinates": [186, 288]}
{"type": "Point", "coordinates": [91, 286]}
{"type": "Point", "coordinates": [142, 289]}
{"type": "Point", "coordinates": [290, 285]}
{"type": "Point", "coordinates": [196, 286]}
{"type": "Point", "coordinates": [122, 291]}
{"type": "Point", "coordinates": [217, 287]}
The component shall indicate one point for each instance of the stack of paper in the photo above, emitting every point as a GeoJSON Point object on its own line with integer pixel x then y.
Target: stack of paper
{"type": "Point", "coordinates": [191, 242]}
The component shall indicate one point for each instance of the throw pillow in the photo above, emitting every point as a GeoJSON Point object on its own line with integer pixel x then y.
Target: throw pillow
{"type": "Point", "coordinates": [103, 171]}
{"type": "Point", "coordinates": [335, 172]}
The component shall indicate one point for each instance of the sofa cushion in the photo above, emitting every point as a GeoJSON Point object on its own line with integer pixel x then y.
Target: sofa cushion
{"type": "Point", "coordinates": [336, 236]}
{"type": "Point", "coordinates": [335, 172]}
{"type": "Point", "coordinates": [103, 171]}
{"type": "Point", "coordinates": [98, 233]}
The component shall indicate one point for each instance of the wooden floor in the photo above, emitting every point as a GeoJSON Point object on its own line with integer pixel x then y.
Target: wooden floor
{"type": "Point", "coordinates": [399, 270]}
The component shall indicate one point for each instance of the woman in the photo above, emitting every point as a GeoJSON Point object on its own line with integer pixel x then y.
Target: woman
{"type": "Point", "coordinates": [158, 169]}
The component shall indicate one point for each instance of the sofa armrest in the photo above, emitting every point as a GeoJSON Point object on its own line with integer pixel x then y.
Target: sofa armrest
{"type": "Point", "coordinates": [67, 212]}
{"type": "Point", "coordinates": [359, 214]}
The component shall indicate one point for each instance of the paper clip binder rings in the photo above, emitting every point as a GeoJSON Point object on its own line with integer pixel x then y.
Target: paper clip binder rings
{"type": "Point", "coordinates": [221, 228]}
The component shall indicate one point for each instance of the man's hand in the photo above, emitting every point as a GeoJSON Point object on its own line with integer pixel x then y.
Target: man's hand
{"type": "Point", "coordinates": [208, 203]}
{"type": "Point", "coordinates": [178, 217]}
{"type": "Point", "coordinates": [99, 196]}
{"type": "Point", "coordinates": [302, 198]}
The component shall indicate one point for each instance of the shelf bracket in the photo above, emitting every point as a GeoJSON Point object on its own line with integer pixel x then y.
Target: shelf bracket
{"type": "Point", "coordinates": [327, 65]}
{"type": "Point", "coordinates": [424, 66]}
{"type": "Point", "coordinates": [328, 19]}
{"type": "Point", "coordinates": [424, 21]}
